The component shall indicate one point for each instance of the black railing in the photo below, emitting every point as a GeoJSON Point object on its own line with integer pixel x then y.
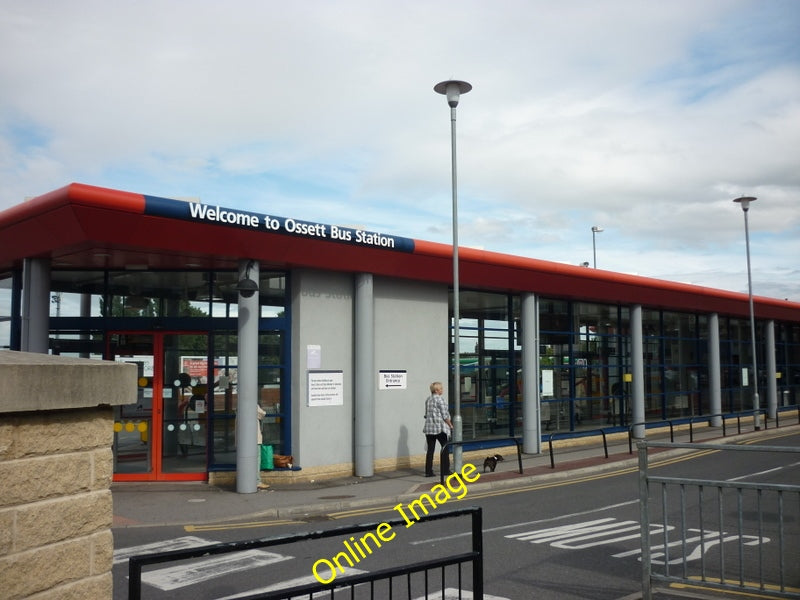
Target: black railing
{"type": "Point", "coordinates": [473, 557]}
{"type": "Point", "coordinates": [572, 435]}
{"type": "Point", "coordinates": [788, 408]}
{"type": "Point", "coordinates": [462, 443]}
{"type": "Point", "coordinates": [698, 418]}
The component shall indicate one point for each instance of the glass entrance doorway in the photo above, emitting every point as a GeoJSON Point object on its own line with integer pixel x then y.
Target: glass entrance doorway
{"type": "Point", "coordinates": [163, 436]}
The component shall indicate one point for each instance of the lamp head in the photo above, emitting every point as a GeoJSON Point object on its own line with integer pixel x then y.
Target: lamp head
{"type": "Point", "coordinates": [596, 229]}
{"type": "Point", "coordinates": [453, 90]}
{"type": "Point", "coordinates": [745, 202]}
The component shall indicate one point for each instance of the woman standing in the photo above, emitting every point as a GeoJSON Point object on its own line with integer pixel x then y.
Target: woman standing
{"type": "Point", "coordinates": [437, 428]}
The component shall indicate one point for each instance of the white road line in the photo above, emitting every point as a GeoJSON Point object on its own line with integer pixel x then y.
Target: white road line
{"type": "Point", "coordinates": [290, 583]}
{"type": "Point", "coordinates": [181, 543]}
{"type": "Point", "coordinates": [455, 594]}
{"type": "Point", "coordinates": [763, 472]}
{"type": "Point", "coordinates": [529, 523]}
{"type": "Point", "coordinates": [198, 571]}
{"type": "Point", "coordinates": [601, 532]}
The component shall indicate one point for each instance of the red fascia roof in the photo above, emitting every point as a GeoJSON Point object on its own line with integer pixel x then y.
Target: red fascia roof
{"type": "Point", "coordinates": [78, 220]}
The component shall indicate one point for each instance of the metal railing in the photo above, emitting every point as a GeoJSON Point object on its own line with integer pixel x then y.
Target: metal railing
{"type": "Point", "coordinates": [395, 577]}
{"type": "Point", "coordinates": [451, 444]}
{"type": "Point", "coordinates": [788, 408]}
{"type": "Point", "coordinates": [699, 520]}
{"type": "Point", "coordinates": [572, 435]}
{"type": "Point", "coordinates": [696, 418]}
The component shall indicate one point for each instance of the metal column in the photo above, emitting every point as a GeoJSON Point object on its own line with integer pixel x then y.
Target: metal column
{"type": "Point", "coordinates": [531, 408]}
{"type": "Point", "coordinates": [365, 383]}
{"type": "Point", "coordinates": [36, 305]}
{"type": "Point", "coordinates": [772, 382]}
{"type": "Point", "coordinates": [714, 370]}
{"type": "Point", "coordinates": [637, 365]}
{"type": "Point", "coordinates": [247, 453]}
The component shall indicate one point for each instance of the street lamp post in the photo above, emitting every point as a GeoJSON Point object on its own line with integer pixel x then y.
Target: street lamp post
{"type": "Point", "coordinates": [595, 231]}
{"type": "Point", "coordinates": [745, 203]}
{"type": "Point", "coordinates": [453, 90]}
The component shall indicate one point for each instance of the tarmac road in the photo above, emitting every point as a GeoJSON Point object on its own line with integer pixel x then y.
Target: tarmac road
{"type": "Point", "coordinates": [516, 507]}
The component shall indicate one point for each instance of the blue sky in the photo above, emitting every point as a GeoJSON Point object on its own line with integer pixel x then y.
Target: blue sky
{"type": "Point", "coordinates": [644, 118]}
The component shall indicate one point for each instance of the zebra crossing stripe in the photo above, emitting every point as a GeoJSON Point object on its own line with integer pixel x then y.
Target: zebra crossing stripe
{"type": "Point", "coordinates": [181, 543]}
{"type": "Point", "coordinates": [290, 583]}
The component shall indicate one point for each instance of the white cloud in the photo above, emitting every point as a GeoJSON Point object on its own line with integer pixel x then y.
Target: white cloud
{"type": "Point", "coordinates": [645, 118]}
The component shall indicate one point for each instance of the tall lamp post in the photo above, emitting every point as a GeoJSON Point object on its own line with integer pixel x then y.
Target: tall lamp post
{"type": "Point", "coordinates": [453, 90]}
{"type": "Point", "coordinates": [595, 231]}
{"type": "Point", "coordinates": [745, 203]}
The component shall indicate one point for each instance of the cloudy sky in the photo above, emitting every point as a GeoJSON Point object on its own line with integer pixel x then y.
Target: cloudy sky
{"type": "Point", "coordinates": [645, 118]}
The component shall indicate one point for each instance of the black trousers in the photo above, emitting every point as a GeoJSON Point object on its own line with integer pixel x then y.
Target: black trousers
{"type": "Point", "coordinates": [432, 439]}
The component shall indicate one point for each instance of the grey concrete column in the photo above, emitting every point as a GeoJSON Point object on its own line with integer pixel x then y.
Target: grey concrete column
{"type": "Point", "coordinates": [247, 452]}
{"type": "Point", "coordinates": [772, 372]}
{"type": "Point", "coordinates": [36, 305]}
{"type": "Point", "coordinates": [531, 397]}
{"type": "Point", "coordinates": [637, 366]}
{"type": "Point", "coordinates": [86, 311]}
{"type": "Point", "coordinates": [365, 382]}
{"type": "Point", "coordinates": [714, 370]}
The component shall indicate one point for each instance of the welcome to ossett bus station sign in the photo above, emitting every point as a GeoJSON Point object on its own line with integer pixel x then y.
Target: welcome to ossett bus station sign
{"type": "Point", "coordinates": [194, 211]}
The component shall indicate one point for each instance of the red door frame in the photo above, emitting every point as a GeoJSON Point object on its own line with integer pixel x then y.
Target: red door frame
{"type": "Point", "coordinates": [157, 417]}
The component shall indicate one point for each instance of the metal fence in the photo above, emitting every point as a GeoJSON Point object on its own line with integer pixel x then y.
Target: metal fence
{"type": "Point", "coordinates": [422, 579]}
{"type": "Point", "coordinates": [734, 535]}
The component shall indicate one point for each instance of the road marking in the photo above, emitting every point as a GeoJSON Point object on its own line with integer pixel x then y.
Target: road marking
{"type": "Point", "coordinates": [248, 525]}
{"type": "Point", "coordinates": [529, 523]}
{"type": "Point", "coordinates": [456, 594]}
{"type": "Point", "coordinates": [290, 583]}
{"type": "Point", "coordinates": [609, 530]}
{"type": "Point", "coordinates": [538, 486]}
{"type": "Point", "coordinates": [181, 543]}
{"type": "Point", "coordinates": [601, 531]}
{"type": "Point", "coordinates": [171, 578]}
{"type": "Point", "coordinates": [764, 472]}
{"type": "Point", "coordinates": [491, 493]}
{"type": "Point", "coordinates": [707, 540]}
{"type": "Point", "coordinates": [752, 585]}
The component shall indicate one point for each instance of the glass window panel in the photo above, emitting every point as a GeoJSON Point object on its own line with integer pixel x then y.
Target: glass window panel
{"type": "Point", "coordinates": [76, 293]}
{"type": "Point", "coordinates": [159, 293]}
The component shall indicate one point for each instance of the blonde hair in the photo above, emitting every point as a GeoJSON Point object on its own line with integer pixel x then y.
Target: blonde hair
{"type": "Point", "coordinates": [436, 384]}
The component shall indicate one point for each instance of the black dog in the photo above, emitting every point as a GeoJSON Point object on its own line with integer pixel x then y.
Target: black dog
{"type": "Point", "coordinates": [491, 462]}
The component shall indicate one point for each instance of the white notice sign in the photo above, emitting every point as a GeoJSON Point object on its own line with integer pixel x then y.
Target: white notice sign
{"type": "Point", "coordinates": [392, 380]}
{"type": "Point", "coordinates": [325, 388]}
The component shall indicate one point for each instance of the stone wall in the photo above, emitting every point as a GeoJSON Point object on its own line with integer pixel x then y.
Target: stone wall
{"type": "Point", "coordinates": [56, 430]}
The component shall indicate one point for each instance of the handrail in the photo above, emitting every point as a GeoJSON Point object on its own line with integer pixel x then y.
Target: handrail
{"type": "Point", "coordinates": [451, 443]}
{"type": "Point", "coordinates": [692, 418]}
{"type": "Point", "coordinates": [587, 433]}
{"type": "Point", "coordinates": [787, 408]}
{"type": "Point", "coordinates": [653, 425]}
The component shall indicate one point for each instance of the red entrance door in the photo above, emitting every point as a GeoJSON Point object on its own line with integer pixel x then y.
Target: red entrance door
{"type": "Point", "coordinates": [163, 436]}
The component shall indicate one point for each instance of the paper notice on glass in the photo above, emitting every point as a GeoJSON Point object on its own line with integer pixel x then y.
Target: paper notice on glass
{"type": "Point", "coordinates": [313, 356]}
{"type": "Point", "coordinates": [547, 383]}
